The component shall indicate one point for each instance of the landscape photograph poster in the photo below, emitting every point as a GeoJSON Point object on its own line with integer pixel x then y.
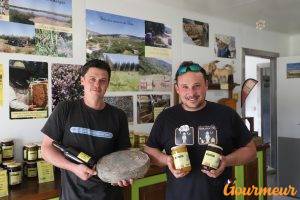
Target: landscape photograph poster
{"type": "Point", "coordinates": [50, 25]}
{"type": "Point", "coordinates": [1, 85]}
{"type": "Point", "coordinates": [224, 46]}
{"type": "Point", "coordinates": [195, 32]}
{"type": "Point", "coordinates": [124, 103]}
{"type": "Point", "coordinates": [109, 33]}
{"type": "Point", "coordinates": [28, 89]}
{"type": "Point", "coordinates": [158, 40]}
{"type": "Point", "coordinates": [149, 107]}
{"type": "Point", "coordinates": [293, 70]}
{"type": "Point", "coordinates": [65, 83]}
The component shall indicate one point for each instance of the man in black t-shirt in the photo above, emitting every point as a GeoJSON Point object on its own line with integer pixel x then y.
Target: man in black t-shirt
{"type": "Point", "coordinates": [196, 123]}
{"type": "Point", "coordinates": [91, 126]}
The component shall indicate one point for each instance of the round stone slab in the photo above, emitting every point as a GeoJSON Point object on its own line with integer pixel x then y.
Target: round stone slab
{"type": "Point", "coordinates": [123, 165]}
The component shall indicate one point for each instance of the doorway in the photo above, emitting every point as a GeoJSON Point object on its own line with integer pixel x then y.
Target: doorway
{"type": "Point", "coordinates": [261, 102]}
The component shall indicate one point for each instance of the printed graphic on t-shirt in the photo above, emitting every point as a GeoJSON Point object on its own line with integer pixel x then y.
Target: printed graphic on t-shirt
{"type": "Point", "coordinates": [207, 135]}
{"type": "Point", "coordinates": [87, 131]}
{"type": "Point", "coordinates": [184, 135]}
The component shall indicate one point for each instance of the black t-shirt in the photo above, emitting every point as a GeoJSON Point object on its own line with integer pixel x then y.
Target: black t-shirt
{"type": "Point", "coordinates": [214, 124]}
{"type": "Point", "coordinates": [95, 132]}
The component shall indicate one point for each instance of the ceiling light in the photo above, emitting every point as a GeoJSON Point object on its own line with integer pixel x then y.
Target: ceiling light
{"type": "Point", "coordinates": [260, 24]}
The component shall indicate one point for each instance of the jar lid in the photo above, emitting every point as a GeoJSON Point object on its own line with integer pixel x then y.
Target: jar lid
{"type": "Point", "coordinates": [14, 165]}
{"type": "Point", "coordinates": [178, 147]}
{"type": "Point", "coordinates": [30, 145]}
{"type": "Point", "coordinates": [7, 140]}
{"type": "Point", "coordinates": [7, 162]}
{"type": "Point", "coordinates": [216, 146]}
{"type": "Point", "coordinates": [30, 163]}
{"type": "Point", "coordinates": [39, 144]}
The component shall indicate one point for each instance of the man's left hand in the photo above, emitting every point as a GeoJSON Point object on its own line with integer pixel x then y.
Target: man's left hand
{"type": "Point", "coordinates": [217, 172]}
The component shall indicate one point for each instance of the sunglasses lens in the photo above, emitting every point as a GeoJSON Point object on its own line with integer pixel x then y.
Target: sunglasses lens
{"type": "Point", "coordinates": [194, 68]}
{"type": "Point", "coordinates": [181, 70]}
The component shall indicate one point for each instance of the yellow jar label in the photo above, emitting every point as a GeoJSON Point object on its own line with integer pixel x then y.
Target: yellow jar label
{"type": "Point", "coordinates": [84, 157]}
{"type": "Point", "coordinates": [39, 154]}
{"type": "Point", "coordinates": [181, 160]}
{"type": "Point", "coordinates": [3, 183]}
{"type": "Point", "coordinates": [45, 172]}
{"type": "Point", "coordinates": [211, 159]}
{"type": "Point", "coordinates": [31, 172]}
{"type": "Point", "coordinates": [8, 151]}
{"type": "Point", "coordinates": [15, 178]}
{"type": "Point", "coordinates": [142, 140]}
{"type": "Point", "coordinates": [32, 155]}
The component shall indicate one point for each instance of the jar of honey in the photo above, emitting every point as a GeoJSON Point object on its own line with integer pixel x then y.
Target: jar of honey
{"type": "Point", "coordinates": [30, 152]}
{"type": "Point", "coordinates": [14, 171]}
{"type": "Point", "coordinates": [7, 150]}
{"type": "Point", "coordinates": [181, 158]}
{"type": "Point", "coordinates": [212, 157]}
{"type": "Point", "coordinates": [39, 147]}
{"type": "Point", "coordinates": [30, 169]}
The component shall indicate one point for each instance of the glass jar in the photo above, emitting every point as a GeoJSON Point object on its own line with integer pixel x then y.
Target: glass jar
{"type": "Point", "coordinates": [14, 171]}
{"type": "Point", "coordinates": [30, 169]}
{"type": "Point", "coordinates": [181, 158]}
{"type": "Point", "coordinates": [39, 148]}
{"type": "Point", "coordinates": [7, 162]}
{"type": "Point", "coordinates": [7, 150]}
{"type": "Point", "coordinates": [30, 152]}
{"type": "Point", "coordinates": [212, 157]}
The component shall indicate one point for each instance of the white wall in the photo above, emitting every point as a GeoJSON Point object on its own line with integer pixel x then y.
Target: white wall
{"type": "Point", "coordinates": [288, 104]}
{"type": "Point", "coordinates": [294, 43]}
{"type": "Point", "coordinates": [24, 131]}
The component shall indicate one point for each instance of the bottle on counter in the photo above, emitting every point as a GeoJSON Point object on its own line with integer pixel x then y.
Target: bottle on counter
{"type": "Point", "coordinates": [7, 150]}
{"type": "Point", "coordinates": [75, 156]}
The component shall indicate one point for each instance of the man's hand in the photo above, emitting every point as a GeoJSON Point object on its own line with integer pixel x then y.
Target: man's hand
{"type": "Point", "coordinates": [219, 171]}
{"type": "Point", "coordinates": [176, 172]}
{"type": "Point", "coordinates": [83, 172]}
{"type": "Point", "coordinates": [123, 183]}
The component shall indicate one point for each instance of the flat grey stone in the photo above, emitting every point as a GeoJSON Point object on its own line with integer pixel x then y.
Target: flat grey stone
{"type": "Point", "coordinates": [123, 165]}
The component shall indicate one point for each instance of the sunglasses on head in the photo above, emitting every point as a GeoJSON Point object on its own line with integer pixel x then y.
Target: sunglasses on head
{"type": "Point", "coordinates": [188, 68]}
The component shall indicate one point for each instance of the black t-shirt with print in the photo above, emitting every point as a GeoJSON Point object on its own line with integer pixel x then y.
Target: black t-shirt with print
{"type": "Point", "coordinates": [95, 132]}
{"type": "Point", "coordinates": [216, 124]}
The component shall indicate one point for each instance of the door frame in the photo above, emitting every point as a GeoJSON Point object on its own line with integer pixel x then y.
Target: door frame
{"type": "Point", "coordinates": [273, 94]}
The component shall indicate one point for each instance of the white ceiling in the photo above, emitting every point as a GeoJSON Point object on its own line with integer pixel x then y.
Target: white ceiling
{"type": "Point", "coordinates": [280, 15]}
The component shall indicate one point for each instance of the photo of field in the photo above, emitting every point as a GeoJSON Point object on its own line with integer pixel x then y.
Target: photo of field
{"type": "Point", "coordinates": [125, 103]}
{"type": "Point", "coordinates": [293, 70]}
{"type": "Point", "coordinates": [52, 43]}
{"type": "Point", "coordinates": [4, 10]}
{"type": "Point", "coordinates": [108, 33]}
{"type": "Point", "coordinates": [195, 32]}
{"type": "Point", "coordinates": [16, 38]}
{"type": "Point", "coordinates": [124, 75]}
{"type": "Point", "coordinates": [155, 74]}
{"type": "Point", "coordinates": [65, 83]}
{"type": "Point", "coordinates": [157, 35]}
{"type": "Point", "coordinates": [149, 106]}
{"type": "Point", "coordinates": [45, 12]}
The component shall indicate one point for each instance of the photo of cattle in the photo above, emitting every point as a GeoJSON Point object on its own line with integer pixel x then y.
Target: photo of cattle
{"type": "Point", "coordinates": [41, 12]}
{"type": "Point", "coordinates": [125, 103]}
{"type": "Point", "coordinates": [195, 32]}
{"type": "Point", "coordinates": [157, 35]}
{"type": "Point", "coordinates": [16, 38]}
{"type": "Point", "coordinates": [149, 106]}
{"type": "Point", "coordinates": [109, 33]}
{"type": "Point", "coordinates": [155, 74]}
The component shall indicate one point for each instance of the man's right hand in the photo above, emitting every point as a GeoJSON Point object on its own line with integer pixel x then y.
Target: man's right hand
{"type": "Point", "coordinates": [176, 172]}
{"type": "Point", "coordinates": [83, 172]}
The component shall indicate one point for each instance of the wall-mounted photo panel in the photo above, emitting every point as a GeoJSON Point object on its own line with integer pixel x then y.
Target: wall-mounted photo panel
{"type": "Point", "coordinates": [224, 46]}
{"type": "Point", "coordinates": [125, 103]}
{"type": "Point", "coordinates": [28, 89]}
{"type": "Point", "coordinates": [293, 70]}
{"type": "Point", "coordinates": [109, 33]}
{"type": "Point", "coordinates": [195, 32]}
{"type": "Point", "coordinates": [17, 38]}
{"type": "Point", "coordinates": [124, 75]}
{"type": "Point", "coordinates": [155, 74]}
{"type": "Point", "coordinates": [1, 85]}
{"type": "Point", "coordinates": [4, 10]}
{"type": "Point", "coordinates": [65, 83]}
{"type": "Point", "coordinates": [44, 14]}
{"type": "Point", "coordinates": [149, 107]}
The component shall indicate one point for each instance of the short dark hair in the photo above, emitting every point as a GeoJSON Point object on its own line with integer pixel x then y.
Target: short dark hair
{"type": "Point", "coordinates": [187, 64]}
{"type": "Point", "coordinates": [100, 64]}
